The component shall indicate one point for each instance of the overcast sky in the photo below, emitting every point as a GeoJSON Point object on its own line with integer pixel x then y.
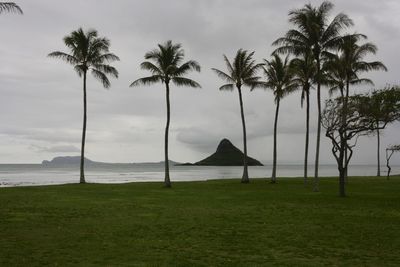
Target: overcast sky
{"type": "Point", "coordinates": [41, 98]}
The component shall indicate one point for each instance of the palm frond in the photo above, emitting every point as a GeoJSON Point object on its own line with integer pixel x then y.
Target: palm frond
{"type": "Point", "coordinates": [64, 56]}
{"type": "Point", "coordinates": [102, 78]}
{"type": "Point", "coordinates": [10, 7]}
{"type": "Point", "coordinates": [88, 51]}
{"type": "Point", "coordinates": [79, 69]}
{"type": "Point", "coordinates": [181, 81]}
{"type": "Point", "coordinates": [362, 81]}
{"type": "Point", "coordinates": [223, 75]}
{"type": "Point", "coordinates": [147, 65]}
{"type": "Point", "coordinates": [147, 80]}
{"type": "Point", "coordinates": [187, 66]}
{"type": "Point", "coordinates": [227, 87]}
{"type": "Point", "coordinates": [109, 57]}
{"type": "Point", "coordinates": [106, 69]}
{"type": "Point", "coordinates": [228, 65]}
{"type": "Point", "coordinates": [339, 22]}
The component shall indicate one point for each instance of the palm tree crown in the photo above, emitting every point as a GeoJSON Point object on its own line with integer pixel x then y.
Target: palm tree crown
{"type": "Point", "coordinates": [304, 71]}
{"type": "Point", "coordinates": [10, 7]}
{"type": "Point", "coordinates": [353, 55]}
{"type": "Point", "coordinates": [165, 64]}
{"type": "Point", "coordinates": [343, 68]}
{"type": "Point", "coordinates": [89, 52]}
{"type": "Point", "coordinates": [313, 31]}
{"type": "Point", "coordinates": [242, 71]}
{"type": "Point", "coordinates": [280, 77]}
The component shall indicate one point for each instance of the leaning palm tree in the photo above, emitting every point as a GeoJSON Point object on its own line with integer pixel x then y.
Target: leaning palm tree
{"type": "Point", "coordinates": [280, 78]}
{"type": "Point", "coordinates": [10, 7]}
{"type": "Point", "coordinates": [303, 68]}
{"type": "Point", "coordinates": [88, 52]}
{"type": "Point", "coordinates": [165, 65]}
{"type": "Point", "coordinates": [241, 72]}
{"type": "Point", "coordinates": [314, 32]}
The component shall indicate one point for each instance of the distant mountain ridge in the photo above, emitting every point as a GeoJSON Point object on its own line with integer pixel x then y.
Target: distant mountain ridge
{"type": "Point", "coordinates": [76, 160]}
{"type": "Point", "coordinates": [226, 155]}
{"type": "Point", "coordinates": [67, 160]}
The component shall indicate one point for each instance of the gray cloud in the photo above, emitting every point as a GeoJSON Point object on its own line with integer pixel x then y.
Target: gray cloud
{"type": "Point", "coordinates": [57, 149]}
{"type": "Point", "coordinates": [41, 98]}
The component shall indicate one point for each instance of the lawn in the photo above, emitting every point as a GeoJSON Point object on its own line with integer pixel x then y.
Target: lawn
{"type": "Point", "coordinates": [213, 223]}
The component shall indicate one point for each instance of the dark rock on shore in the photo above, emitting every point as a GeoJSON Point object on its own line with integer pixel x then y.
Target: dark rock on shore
{"type": "Point", "coordinates": [227, 155]}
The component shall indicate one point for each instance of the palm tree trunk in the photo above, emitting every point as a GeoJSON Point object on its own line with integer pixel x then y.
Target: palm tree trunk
{"type": "Point", "coordinates": [343, 145]}
{"type": "Point", "coordinates": [316, 179]}
{"type": "Point", "coordinates": [245, 177]}
{"type": "Point", "coordinates": [82, 171]}
{"type": "Point", "coordinates": [167, 181]}
{"type": "Point", "coordinates": [273, 177]}
{"type": "Point", "coordinates": [347, 168]}
{"type": "Point", "coordinates": [378, 153]}
{"type": "Point", "coordinates": [307, 137]}
{"type": "Point", "coordinates": [346, 171]}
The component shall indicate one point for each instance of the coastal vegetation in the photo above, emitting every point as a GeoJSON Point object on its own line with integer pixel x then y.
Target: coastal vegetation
{"type": "Point", "coordinates": [314, 35]}
{"type": "Point", "coordinates": [319, 53]}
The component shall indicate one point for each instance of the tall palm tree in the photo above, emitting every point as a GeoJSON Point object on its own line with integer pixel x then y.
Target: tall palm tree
{"type": "Point", "coordinates": [241, 72]}
{"type": "Point", "coordinates": [342, 70]}
{"type": "Point", "coordinates": [314, 32]}
{"type": "Point", "coordinates": [303, 68]}
{"type": "Point", "coordinates": [352, 56]}
{"type": "Point", "coordinates": [165, 65]}
{"type": "Point", "coordinates": [280, 78]}
{"type": "Point", "coordinates": [88, 52]}
{"type": "Point", "coordinates": [10, 7]}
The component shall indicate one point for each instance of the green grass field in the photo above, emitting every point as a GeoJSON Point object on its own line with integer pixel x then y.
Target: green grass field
{"type": "Point", "coordinates": [214, 223]}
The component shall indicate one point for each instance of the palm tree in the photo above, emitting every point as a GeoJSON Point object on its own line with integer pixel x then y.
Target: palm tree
{"type": "Point", "coordinates": [303, 68]}
{"type": "Point", "coordinates": [355, 53]}
{"type": "Point", "coordinates": [314, 33]}
{"type": "Point", "coordinates": [280, 79]}
{"type": "Point", "coordinates": [241, 72]}
{"type": "Point", "coordinates": [10, 7]}
{"type": "Point", "coordinates": [165, 65]}
{"type": "Point", "coordinates": [344, 68]}
{"type": "Point", "coordinates": [88, 52]}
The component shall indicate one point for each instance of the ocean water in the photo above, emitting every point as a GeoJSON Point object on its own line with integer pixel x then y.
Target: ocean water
{"type": "Point", "coordinates": [37, 174]}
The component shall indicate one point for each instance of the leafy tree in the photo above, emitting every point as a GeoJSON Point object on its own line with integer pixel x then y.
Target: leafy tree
{"type": "Point", "coordinates": [303, 68]}
{"type": "Point", "coordinates": [88, 52]}
{"type": "Point", "coordinates": [241, 72]}
{"type": "Point", "coordinates": [314, 32]}
{"type": "Point", "coordinates": [389, 153]}
{"type": "Point", "coordinates": [10, 7]}
{"type": "Point", "coordinates": [165, 65]}
{"type": "Point", "coordinates": [280, 79]}
{"type": "Point", "coordinates": [384, 109]}
{"type": "Point", "coordinates": [344, 135]}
